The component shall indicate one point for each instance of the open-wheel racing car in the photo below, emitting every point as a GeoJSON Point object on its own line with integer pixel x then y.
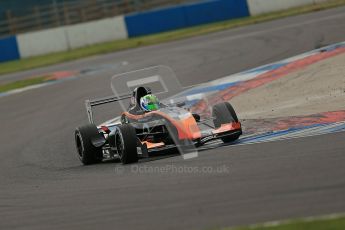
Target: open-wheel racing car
{"type": "Point", "coordinates": [140, 132]}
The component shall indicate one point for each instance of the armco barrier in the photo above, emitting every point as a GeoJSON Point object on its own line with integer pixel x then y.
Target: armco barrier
{"type": "Point", "coordinates": [8, 49]}
{"type": "Point", "coordinates": [171, 18]}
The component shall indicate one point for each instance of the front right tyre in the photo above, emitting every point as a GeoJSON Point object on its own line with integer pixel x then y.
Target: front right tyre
{"type": "Point", "coordinates": [224, 113]}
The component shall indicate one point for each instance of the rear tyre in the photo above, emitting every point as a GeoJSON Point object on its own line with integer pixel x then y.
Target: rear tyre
{"type": "Point", "coordinates": [126, 143]}
{"type": "Point", "coordinates": [88, 154]}
{"type": "Point", "coordinates": [224, 113]}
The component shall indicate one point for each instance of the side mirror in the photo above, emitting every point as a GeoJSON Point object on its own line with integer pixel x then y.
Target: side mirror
{"type": "Point", "coordinates": [180, 104]}
{"type": "Point", "coordinates": [196, 117]}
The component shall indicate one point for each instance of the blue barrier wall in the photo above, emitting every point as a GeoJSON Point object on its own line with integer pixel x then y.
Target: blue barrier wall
{"type": "Point", "coordinates": [213, 11]}
{"type": "Point", "coordinates": [150, 22]}
{"type": "Point", "coordinates": [153, 21]}
{"type": "Point", "coordinates": [171, 18]}
{"type": "Point", "coordinates": [8, 49]}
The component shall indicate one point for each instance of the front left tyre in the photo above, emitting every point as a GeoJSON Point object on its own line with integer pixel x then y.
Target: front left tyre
{"type": "Point", "coordinates": [88, 154]}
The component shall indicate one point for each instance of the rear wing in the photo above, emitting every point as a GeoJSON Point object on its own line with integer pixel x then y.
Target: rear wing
{"type": "Point", "coordinates": [101, 101]}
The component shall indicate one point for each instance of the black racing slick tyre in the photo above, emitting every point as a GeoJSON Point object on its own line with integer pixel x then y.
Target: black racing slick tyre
{"type": "Point", "coordinates": [126, 143]}
{"type": "Point", "coordinates": [87, 152]}
{"type": "Point", "coordinates": [224, 113]}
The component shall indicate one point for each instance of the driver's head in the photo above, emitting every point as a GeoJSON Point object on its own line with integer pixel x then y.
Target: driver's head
{"type": "Point", "coordinates": [149, 102]}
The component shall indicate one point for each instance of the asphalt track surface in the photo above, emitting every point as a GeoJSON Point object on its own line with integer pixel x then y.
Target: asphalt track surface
{"type": "Point", "coordinates": [43, 185]}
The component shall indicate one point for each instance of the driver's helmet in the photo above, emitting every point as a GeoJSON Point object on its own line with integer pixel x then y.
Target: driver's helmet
{"type": "Point", "coordinates": [149, 102]}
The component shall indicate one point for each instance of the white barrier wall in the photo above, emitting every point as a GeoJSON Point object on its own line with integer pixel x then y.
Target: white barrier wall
{"type": "Point", "coordinates": [96, 32]}
{"type": "Point", "coordinates": [84, 34]}
{"type": "Point", "coordinates": [70, 37]}
{"type": "Point", "coordinates": [265, 6]}
{"type": "Point", "coordinates": [42, 42]}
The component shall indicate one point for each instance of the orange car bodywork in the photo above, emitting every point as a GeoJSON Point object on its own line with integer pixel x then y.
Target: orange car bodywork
{"type": "Point", "coordinates": [227, 127]}
{"type": "Point", "coordinates": [187, 127]}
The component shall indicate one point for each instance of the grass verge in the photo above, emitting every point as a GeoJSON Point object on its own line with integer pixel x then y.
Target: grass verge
{"type": "Point", "coordinates": [22, 83]}
{"type": "Point", "coordinates": [318, 224]}
{"type": "Point", "coordinates": [54, 58]}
